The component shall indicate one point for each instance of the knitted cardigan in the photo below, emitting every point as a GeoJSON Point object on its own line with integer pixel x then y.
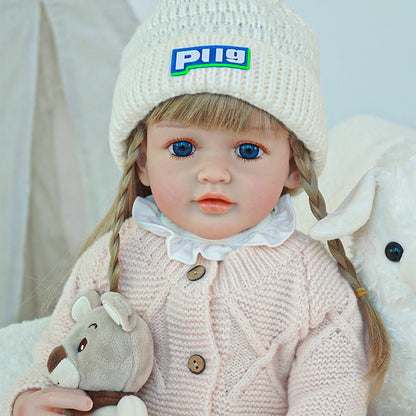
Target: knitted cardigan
{"type": "Point", "coordinates": [278, 328]}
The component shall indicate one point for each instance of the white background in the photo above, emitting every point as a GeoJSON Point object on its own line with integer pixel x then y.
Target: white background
{"type": "Point", "coordinates": [368, 57]}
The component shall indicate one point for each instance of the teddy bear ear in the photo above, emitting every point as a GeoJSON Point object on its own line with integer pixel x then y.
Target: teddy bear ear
{"type": "Point", "coordinates": [119, 310]}
{"type": "Point", "coordinates": [83, 303]}
{"type": "Point", "coordinates": [352, 214]}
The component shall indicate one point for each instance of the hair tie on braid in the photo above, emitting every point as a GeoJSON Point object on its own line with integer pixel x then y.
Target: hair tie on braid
{"type": "Point", "coordinates": [361, 291]}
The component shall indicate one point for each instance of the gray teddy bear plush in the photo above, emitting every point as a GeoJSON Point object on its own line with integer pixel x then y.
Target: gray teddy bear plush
{"type": "Point", "coordinates": [108, 353]}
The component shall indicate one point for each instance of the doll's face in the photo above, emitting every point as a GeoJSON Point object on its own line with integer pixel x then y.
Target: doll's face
{"type": "Point", "coordinates": [216, 183]}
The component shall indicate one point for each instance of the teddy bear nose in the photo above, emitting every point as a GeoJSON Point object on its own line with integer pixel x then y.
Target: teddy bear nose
{"type": "Point", "coordinates": [55, 357]}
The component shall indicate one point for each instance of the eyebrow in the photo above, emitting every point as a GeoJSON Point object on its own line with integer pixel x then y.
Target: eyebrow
{"type": "Point", "coordinates": [170, 123]}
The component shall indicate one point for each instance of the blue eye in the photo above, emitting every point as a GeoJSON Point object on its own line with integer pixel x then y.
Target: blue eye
{"type": "Point", "coordinates": [249, 151]}
{"type": "Point", "coordinates": [181, 148]}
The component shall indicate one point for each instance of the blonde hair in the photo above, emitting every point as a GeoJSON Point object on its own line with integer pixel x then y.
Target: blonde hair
{"type": "Point", "coordinates": [225, 112]}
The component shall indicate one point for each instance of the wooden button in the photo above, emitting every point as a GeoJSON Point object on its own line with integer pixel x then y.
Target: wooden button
{"type": "Point", "coordinates": [196, 273]}
{"type": "Point", "coordinates": [196, 364]}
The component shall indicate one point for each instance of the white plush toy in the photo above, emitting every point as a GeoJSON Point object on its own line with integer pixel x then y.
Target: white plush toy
{"type": "Point", "coordinates": [108, 353]}
{"type": "Point", "coordinates": [354, 147]}
{"type": "Point", "coordinates": [380, 214]}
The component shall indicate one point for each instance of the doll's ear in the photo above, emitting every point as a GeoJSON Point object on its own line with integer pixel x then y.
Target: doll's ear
{"type": "Point", "coordinates": [293, 179]}
{"type": "Point", "coordinates": [119, 310]}
{"type": "Point", "coordinates": [83, 303]}
{"type": "Point", "coordinates": [142, 163]}
{"type": "Point", "coordinates": [352, 214]}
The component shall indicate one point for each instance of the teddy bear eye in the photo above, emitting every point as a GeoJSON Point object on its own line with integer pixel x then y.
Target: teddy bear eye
{"type": "Point", "coordinates": [93, 325]}
{"type": "Point", "coordinates": [394, 251]}
{"type": "Point", "coordinates": [82, 344]}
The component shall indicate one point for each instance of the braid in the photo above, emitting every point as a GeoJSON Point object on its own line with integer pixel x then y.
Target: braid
{"type": "Point", "coordinates": [379, 344]}
{"type": "Point", "coordinates": [127, 192]}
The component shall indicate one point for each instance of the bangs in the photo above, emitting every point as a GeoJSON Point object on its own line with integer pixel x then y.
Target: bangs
{"type": "Point", "coordinates": [213, 111]}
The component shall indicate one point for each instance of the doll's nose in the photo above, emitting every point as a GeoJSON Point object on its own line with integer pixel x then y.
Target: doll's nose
{"type": "Point", "coordinates": [214, 170]}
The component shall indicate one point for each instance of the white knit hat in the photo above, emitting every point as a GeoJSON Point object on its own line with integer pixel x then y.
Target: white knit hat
{"type": "Point", "coordinates": [260, 51]}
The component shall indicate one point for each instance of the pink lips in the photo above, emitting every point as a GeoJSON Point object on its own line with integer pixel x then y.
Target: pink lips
{"type": "Point", "coordinates": [211, 203]}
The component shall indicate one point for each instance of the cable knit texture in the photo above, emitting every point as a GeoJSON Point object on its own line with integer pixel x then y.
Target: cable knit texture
{"type": "Point", "coordinates": [279, 329]}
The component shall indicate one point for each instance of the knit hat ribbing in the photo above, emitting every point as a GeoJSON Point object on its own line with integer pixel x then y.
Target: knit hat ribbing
{"type": "Point", "coordinates": [270, 55]}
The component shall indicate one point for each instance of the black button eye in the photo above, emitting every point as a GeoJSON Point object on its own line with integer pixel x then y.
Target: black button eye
{"type": "Point", "coordinates": [82, 344]}
{"type": "Point", "coordinates": [394, 251]}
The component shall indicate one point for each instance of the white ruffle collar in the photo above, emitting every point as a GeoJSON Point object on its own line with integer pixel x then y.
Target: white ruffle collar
{"type": "Point", "coordinates": [184, 246]}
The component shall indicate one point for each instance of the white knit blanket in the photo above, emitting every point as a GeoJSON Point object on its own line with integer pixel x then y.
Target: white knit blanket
{"type": "Point", "coordinates": [16, 350]}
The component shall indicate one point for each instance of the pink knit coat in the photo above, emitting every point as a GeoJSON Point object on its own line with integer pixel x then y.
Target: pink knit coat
{"type": "Point", "coordinates": [278, 328]}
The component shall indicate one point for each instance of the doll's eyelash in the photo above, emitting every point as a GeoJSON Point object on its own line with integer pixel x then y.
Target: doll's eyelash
{"type": "Point", "coordinates": [180, 139]}
{"type": "Point", "coordinates": [261, 146]}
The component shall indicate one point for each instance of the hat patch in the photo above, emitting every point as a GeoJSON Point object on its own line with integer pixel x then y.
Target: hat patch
{"type": "Point", "coordinates": [185, 59]}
